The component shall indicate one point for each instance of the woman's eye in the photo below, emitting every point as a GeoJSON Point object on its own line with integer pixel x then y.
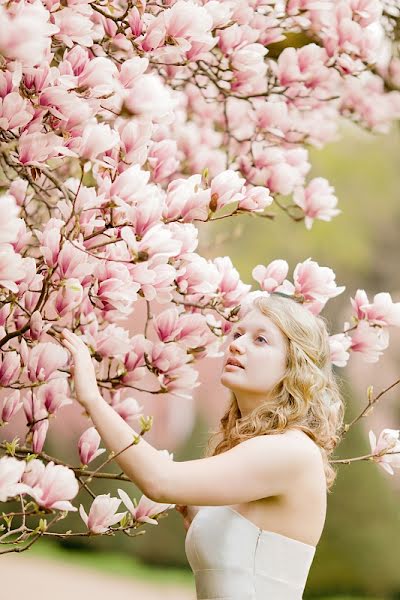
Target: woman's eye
{"type": "Point", "coordinates": [235, 335]}
{"type": "Point", "coordinates": [260, 337]}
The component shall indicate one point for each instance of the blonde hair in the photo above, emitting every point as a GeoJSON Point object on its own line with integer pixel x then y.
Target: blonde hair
{"type": "Point", "coordinates": [307, 397]}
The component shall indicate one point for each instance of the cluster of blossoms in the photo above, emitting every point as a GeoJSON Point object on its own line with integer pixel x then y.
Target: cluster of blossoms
{"type": "Point", "coordinates": [120, 128]}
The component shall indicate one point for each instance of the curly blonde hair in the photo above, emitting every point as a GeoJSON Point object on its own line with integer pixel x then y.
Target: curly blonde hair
{"type": "Point", "coordinates": [307, 397]}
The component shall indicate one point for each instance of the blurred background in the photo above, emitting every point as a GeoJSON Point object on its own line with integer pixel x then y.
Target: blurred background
{"type": "Point", "coordinates": [358, 554]}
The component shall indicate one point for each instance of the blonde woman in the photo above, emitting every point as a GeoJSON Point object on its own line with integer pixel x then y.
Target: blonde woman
{"type": "Point", "coordinates": [255, 506]}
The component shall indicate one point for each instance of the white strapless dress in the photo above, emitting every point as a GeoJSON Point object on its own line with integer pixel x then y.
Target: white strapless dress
{"type": "Point", "coordinates": [233, 559]}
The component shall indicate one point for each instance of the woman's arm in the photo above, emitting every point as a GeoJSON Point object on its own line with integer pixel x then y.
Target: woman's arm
{"type": "Point", "coordinates": [142, 463]}
{"type": "Point", "coordinates": [259, 467]}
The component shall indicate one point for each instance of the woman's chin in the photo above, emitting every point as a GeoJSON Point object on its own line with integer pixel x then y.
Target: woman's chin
{"type": "Point", "coordinates": [227, 380]}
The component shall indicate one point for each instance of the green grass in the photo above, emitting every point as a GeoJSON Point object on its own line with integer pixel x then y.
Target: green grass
{"type": "Point", "coordinates": [115, 563]}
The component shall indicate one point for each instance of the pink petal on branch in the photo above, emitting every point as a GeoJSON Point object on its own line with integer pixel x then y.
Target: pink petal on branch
{"type": "Point", "coordinates": [57, 486]}
{"type": "Point", "coordinates": [88, 445]}
{"type": "Point", "coordinates": [10, 364]}
{"type": "Point", "coordinates": [102, 513]}
{"type": "Point", "coordinates": [389, 439]}
{"type": "Point", "coordinates": [39, 431]}
{"type": "Point", "coordinates": [146, 508]}
{"type": "Point", "coordinates": [11, 471]}
{"type": "Point", "coordinates": [11, 405]}
{"type": "Point", "coordinates": [44, 360]}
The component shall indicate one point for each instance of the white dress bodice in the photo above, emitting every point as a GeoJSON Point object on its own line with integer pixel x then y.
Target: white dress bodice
{"type": "Point", "coordinates": [233, 559]}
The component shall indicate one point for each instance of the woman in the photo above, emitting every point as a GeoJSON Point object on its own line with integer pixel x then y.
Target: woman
{"type": "Point", "coordinates": [257, 501]}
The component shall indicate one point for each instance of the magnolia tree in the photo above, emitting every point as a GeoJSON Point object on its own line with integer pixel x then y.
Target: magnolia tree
{"type": "Point", "coordinates": [122, 125]}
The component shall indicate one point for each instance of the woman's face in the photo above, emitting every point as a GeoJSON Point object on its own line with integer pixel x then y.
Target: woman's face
{"type": "Point", "coordinates": [261, 348]}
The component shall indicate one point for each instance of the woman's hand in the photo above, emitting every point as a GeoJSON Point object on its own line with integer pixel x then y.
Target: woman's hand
{"type": "Point", "coordinates": [83, 370]}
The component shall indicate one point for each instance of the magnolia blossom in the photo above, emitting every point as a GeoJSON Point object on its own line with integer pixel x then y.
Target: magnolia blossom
{"type": "Point", "coordinates": [102, 513]}
{"type": "Point", "coordinates": [272, 276]}
{"type": "Point", "coordinates": [382, 311]}
{"type": "Point", "coordinates": [315, 283]}
{"type": "Point", "coordinates": [44, 360]}
{"type": "Point", "coordinates": [389, 440]}
{"type": "Point", "coordinates": [11, 471]}
{"type": "Point", "coordinates": [368, 340]}
{"type": "Point", "coordinates": [9, 222]}
{"type": "Point", "coordinates": [317, 201]}
{"type": "Point", "coordinates": [146, 510]}
{"type": "Point", "coordinates": [10, 407]}
{"type": "Point", "coordinates": [88, 446]}
{"type": "Point", "coordinates": [56, 487]}
{"type": "Point", "coordinates": [339, 344]}
{"type": "Point", "coordinates": [128, 408]}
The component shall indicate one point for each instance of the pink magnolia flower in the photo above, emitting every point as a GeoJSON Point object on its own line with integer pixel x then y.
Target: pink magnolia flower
{"type": "Point", "coordinates": [194, 330]}
{"type": "Point", "coordinates": [34, 149]}
{"type": "Point", "coordinates": [185, 199]}
{"type": "Point", "coordinates": [146, 510]}
{"type": "Point", "coordinates": [11, 471]}
{"type": "Point", "coordinates": [317, 201]}
{"type": "Point", "coordinates": [369, 341]}
{"type": "Point", "coordinates": [88, 446]}
{"type": "Point", "coordinates": [166, 357]}
{"type": "Point", "coordinates": [382, 311]}
{"type": "Point", "coordinates": [71, 110]}
{"type": "Point", "coordinates": [74, 25]}
{"type": "Point", "coordinates": [225, 188]}
{"type": "Point", "coordinates": [32, 475]}
{"type": "Point", "coordinates": [36, 326]}
{"type": "Point", "coordinates": [272, 276]}
{"type": "Point", "coordinates": [56, 487]}
{"type": "Point", "coordinates": [134, 361]}
{"type": "Point", "coordinates": [9, 221]}
{"type": "Point", "coordinates": [39, 431]}
{"type": "Point", "coordinates": [249, 61]}
{"type": "Point", "coordinates": [315, 283]}
{"type": "Point", "coordinates": [112, 341]}
{"type": "Point", "coordinates": [360, 299]}
{"type": "Point", "coordinates": [11, 405]}
{"type": "Point", "coordinates": [128, 408]}
{"type": "Point", "coordinates": [14, 112]}
{"type": "Point", "coordinates": [167, 325]}
{"type": "Point", "coordinates": [34, 408]}
{"type": "Point", "coordinates": [44, 360]}
{"type": "Point", "coordinates": [69, 296]}
{"type": "Point", "coordinates": [134, 140]}
{"type": "Point", "coordinates": [230, 288]}
{"type": "Point", "coordinates": [162, 158]}
{"type": "Point", "coordinates": [255, 199]}
{"type": "Point", "coordinates": [198, 276]}
{"type": "Point", "coordinates": [10, 364]}
{"type": "Point", "coordinates": [339, 344]}
{"type": "Point", "coordinates": [50, 240]}
{"type": "Point", "coordinates": [186, 23]}
{"type": "Point", "coordinates": [149, 97]}
{"type": "Point", "coordinates": [96, 139]}
{"type": "Point", "coordinates": [114, 289]}
{"type": "Point", "coordinates": [99, 76]}
{"type": "Point", "coordinates": [54, 395]}
{"type": "Point", "coordinates": [72, 262]}
{"type": "Point", "coordinates": [17, 42]}
{"type": "Point", "coordinates": [306, 64]}
{"type": "Point", "coordinates": [12, 268]}
{"type": "Point", "coordinates": [102, 513]}
{"type": "Point", "coordinates": [389, 439]}
{"type": "Point", "coordinates": [180, 381]}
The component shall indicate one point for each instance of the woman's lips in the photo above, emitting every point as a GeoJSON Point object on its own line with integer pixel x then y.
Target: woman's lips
{"type": "Point", "coordinates": [229, 367]}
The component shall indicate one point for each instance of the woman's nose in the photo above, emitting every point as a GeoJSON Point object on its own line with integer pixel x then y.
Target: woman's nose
{"type": "Point", "coordinates": [236, 347]}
